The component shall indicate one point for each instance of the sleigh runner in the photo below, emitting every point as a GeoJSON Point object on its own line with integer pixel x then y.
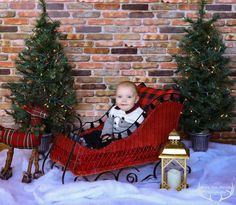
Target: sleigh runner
{"type": "Point", "coordinates": [163, 108]}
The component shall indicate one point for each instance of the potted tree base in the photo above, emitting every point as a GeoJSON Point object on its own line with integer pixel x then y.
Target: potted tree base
{"type": "Point", "coordinates": [46, 140]}
{"type": "Point", "coordinates": [200, 141]}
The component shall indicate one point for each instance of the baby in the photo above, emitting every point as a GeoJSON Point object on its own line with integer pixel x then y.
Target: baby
{"type": "Point", "coordinates": [121, 117]}
{"type": "Point", "coordinates": [124, 113]}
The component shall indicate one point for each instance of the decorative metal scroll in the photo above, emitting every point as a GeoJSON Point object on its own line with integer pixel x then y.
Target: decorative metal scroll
{"type": "Point", "coordinates": [132, 176]}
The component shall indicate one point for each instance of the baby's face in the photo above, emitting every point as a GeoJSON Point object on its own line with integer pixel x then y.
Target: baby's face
{"type": "Point", "coordinates": [126, 97]}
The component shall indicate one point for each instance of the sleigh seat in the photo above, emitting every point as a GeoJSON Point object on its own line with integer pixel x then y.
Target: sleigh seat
{"type": "Point", "coordinates": [162, 111]}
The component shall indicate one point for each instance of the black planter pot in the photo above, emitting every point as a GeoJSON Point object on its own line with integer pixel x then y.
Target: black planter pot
{"type": "Point", "coordinates": [200, 141]}
{"type": "Point", "coordinates": [45, 143]}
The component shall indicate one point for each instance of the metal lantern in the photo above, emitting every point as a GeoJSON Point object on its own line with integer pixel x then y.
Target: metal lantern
{"type": "Point", "coordinates": [173, 163]}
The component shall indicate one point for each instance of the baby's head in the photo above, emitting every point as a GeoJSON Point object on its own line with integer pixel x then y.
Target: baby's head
{"type": "Point", "coordinates": [126, 95]}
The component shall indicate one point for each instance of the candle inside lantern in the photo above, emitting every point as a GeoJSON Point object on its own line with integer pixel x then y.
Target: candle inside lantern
{"type": "Point", "coordinates": [173, 178]}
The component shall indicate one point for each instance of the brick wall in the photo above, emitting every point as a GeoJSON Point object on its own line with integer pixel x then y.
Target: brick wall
{"type": "Point", "coordinates": [110, 41]}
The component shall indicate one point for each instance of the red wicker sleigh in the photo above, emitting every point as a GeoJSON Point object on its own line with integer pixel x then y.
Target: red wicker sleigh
{"type": "Point", "coordinates": [142, 146]}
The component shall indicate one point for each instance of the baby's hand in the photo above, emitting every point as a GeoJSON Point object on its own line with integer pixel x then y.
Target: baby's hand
{"type": "Point", "coordinates": [106, 138]}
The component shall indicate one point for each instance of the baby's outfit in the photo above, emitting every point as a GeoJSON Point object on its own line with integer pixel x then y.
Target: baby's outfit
{"type": "Point", "coordinates": [118, 121]}
{"type": "Point", "coordinates": [118, 125]}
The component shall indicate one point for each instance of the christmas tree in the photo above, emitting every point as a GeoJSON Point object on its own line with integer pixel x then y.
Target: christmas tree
{"type": "Point", "coordinates": [46, 77]}
{"type": "Point", "coordinates": [204, 80]}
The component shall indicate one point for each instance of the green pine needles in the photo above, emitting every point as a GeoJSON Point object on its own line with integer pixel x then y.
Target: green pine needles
{"type": "Point", "coordinates": [46, 77]}
{"type": "Point", "coordinates": [204, 80]}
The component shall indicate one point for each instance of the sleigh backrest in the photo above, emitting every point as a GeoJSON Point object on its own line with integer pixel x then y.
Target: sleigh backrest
{"type": "Point", "coordinates": [151, 96]}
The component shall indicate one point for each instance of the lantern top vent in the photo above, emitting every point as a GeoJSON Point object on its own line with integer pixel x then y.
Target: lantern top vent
{"type": "Point", "coordinates": [174, 148]}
